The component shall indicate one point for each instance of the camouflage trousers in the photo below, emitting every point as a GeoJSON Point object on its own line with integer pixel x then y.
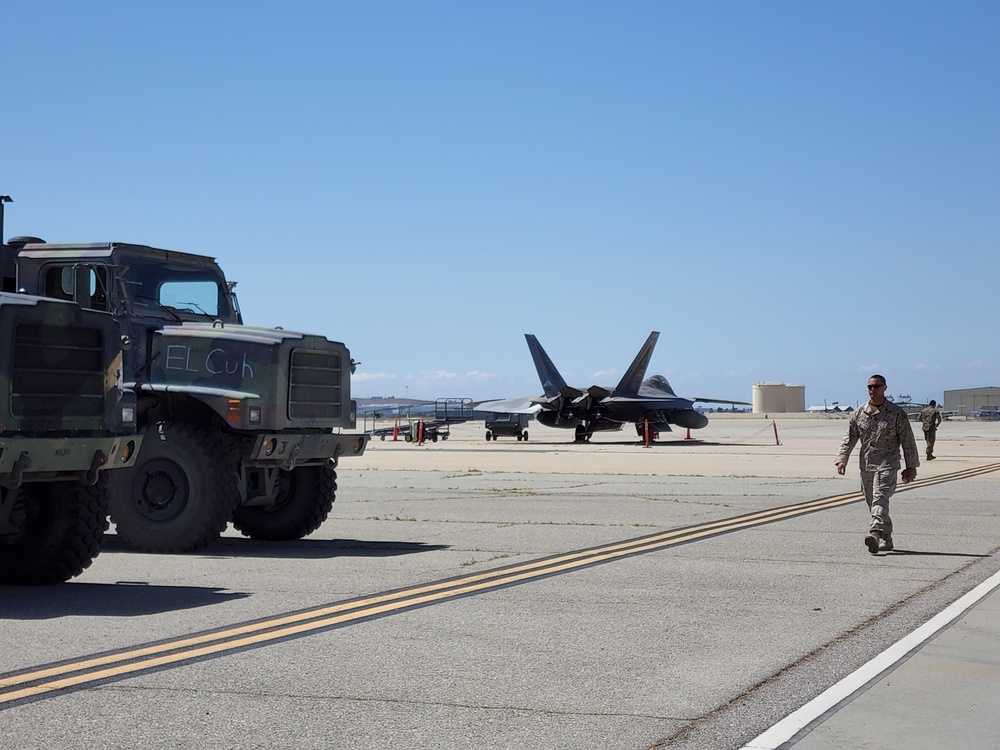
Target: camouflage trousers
{"type": "Point", "coordinates": [929, 436]}
{"type": "Point", "coordinates": [878, 487]}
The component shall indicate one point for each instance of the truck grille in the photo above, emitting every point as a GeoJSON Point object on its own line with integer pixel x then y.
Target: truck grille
{"type": "Point", "coordinates": [58, 370]}
{"type": "Point", "coordinates": [314, 385]}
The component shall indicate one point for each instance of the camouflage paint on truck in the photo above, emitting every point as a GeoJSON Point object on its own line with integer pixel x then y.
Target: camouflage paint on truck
{"type": "Point", "coordinates": [64, 419]}
{"type": "Point", "coordinates": [242, 424]}
{"type": "Point", "coordinates": [293, 383]}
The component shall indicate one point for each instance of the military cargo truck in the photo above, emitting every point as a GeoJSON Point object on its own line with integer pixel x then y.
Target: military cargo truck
{"type": "Point", "coordinates": [64, 419]}
{"type": "Point", "coordinates": [240, 423]}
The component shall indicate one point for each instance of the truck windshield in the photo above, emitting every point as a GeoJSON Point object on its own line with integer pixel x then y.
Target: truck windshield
{"type": "Point", "coordinates": [196, 290]}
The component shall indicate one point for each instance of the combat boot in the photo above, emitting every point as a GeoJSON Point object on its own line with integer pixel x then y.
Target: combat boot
{"type": "Point", "coordinates": [885, 542]}
{"type": "Point", "coordinates": [873, 540]}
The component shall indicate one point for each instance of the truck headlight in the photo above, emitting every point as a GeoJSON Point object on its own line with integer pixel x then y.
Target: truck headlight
{"type": "Point", "coordinates": [127, 449]}
{"type": "Point", "coordinates": [128, 415]}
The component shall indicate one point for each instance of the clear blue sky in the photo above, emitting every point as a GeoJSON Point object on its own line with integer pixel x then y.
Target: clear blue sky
{"type": "Point", "coordinates": [801, 192]}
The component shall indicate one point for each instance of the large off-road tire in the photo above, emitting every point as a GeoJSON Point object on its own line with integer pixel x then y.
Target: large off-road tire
{"type": "Point", "coordinates": [305, 498]}
{"type": "Point", "coordinates": [62, 525]}
{"type": "Point", "coordinates": [181, 492]}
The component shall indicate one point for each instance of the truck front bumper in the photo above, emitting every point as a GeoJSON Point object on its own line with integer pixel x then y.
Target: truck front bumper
{"type": "Point", "coordinates": [24, 459]}
{"type": "Point", "coordinates": [287, 451]}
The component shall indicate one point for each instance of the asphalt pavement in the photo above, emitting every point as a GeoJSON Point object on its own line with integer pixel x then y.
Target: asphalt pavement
{"type": "Point", "coordinates": [939, 687]}
{"type": "Point", "coordinates": [710, 594]}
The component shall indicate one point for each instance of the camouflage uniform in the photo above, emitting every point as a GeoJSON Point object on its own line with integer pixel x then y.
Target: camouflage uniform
{"type": "Point", "coordinates": [882, 430]}
{"type": "Point", "coordinates": [931, 418]}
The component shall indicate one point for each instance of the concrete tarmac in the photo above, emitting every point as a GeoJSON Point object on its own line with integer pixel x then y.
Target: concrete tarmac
{"type": "Point", "coordinates": [944, 693]}
{"type": "Point", "coordinates": [940, 692]}
{"type": "Point", "coordinates": [748, 612]}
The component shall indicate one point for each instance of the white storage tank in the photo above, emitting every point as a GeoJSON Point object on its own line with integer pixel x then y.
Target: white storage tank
{"type": "Point", "coordinates": [778, 398]}
{"type": "Point", "coordinates": [795, 398]}
{"type": "Point", "coordinates": [768, 397]}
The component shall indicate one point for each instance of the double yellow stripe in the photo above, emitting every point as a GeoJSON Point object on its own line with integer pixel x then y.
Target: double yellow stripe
{"type": "Point", "coordinates": [74, 674]}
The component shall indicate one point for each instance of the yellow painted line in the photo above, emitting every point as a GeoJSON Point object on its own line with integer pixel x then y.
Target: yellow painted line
{"type": "Point", "coordinates": [117, 665]}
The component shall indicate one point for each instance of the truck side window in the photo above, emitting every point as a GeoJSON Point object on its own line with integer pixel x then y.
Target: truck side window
{"type": "Point", "coordinates": [60, 282]}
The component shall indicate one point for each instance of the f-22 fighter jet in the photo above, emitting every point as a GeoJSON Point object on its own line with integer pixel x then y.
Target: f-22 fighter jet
{"type": "Point", "coordinates": [649, 404]}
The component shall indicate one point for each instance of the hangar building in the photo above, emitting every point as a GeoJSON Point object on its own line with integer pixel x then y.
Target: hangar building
{"type": "Point", "coordinates": [965, 401]}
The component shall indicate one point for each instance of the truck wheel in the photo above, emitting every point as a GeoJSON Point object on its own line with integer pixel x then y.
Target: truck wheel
{"type": "Point", "coordinates": [180, 494]}
{"type": "Point", "coordinates": [61, 524]}
{"type": "Point", "coordinates": [305, 498]}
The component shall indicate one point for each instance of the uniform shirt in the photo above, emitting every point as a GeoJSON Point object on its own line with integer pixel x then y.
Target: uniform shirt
{"type": "Point", "coordinates": [882, 431]}
{"type": "Point", "coordinates": [930, 417]}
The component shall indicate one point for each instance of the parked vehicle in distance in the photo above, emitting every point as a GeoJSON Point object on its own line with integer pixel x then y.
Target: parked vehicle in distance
{"type": "Point", "coordinates": [503, 424]}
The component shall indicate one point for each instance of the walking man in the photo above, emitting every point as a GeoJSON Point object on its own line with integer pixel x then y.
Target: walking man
{"type": "Point", "coordinates": [882, 429]}
{"type": "Point", "coordinates": [931, 418]}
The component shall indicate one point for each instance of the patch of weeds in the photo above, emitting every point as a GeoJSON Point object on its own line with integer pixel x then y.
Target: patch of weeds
{"type": "Point", "coordinates": [497, 556]}
{"type": "Point", "coordinates": [390, 518]}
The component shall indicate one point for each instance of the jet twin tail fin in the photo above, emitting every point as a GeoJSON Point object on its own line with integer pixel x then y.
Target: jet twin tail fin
{"type": "Point", "coordinates": [629, 385]}
{"type": "Point", "coordinates": [552, 382]}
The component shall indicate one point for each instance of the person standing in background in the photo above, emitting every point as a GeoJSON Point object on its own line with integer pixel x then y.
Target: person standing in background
{"type": "Point", "coordinates": [930, 417]}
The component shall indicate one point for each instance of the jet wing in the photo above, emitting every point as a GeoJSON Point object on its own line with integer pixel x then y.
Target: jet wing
{"type": "Point", "coordinates": [524, 405]}
{"type": "Point", "coordinates": [718, 401]}
{"type": "Point", "coordinates": [666, 403]}
{"type": "Point", "coordinates": [652, 402]}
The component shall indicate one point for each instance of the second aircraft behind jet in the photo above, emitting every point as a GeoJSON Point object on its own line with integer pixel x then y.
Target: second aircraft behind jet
{"type": "Point", "coordinates": [649, 404]}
